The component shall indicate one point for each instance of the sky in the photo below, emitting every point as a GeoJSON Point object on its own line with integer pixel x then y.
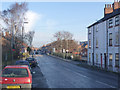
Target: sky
{"type": "Point", "coordinates": [47, 18]}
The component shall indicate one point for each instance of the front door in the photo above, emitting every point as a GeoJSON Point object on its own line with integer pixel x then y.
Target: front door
{"type": "Point", "coordinates": [93, 58]}
{"type": "Point", "coordinates": [105, 60]}
{"type": "Point", "coordinates": [101, 60]}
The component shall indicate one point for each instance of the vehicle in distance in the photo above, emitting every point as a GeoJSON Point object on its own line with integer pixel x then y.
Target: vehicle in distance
{"type": "Point", "coordinates": [32, 61]}
{"type": "Point", "coordinates": [23, 62]}
{"type": "Point", "coordinates": [16, 76]}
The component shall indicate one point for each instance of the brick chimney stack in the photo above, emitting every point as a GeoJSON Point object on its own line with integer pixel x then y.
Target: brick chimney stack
{"type": "Point", "coordinates": [6, 34]}
{"type": "Point", "coordinates": [116, 4]}
{"type": "Point", "coordinates": [108, 9]}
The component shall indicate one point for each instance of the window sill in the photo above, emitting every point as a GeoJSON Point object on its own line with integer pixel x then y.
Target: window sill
{"type": "Point", "coordinates": [117, 45]}
{"type": "Point", "coordinates": [117, 66]}
{"type": "Point", "coordinates": [89, 47]}
{"type": "Point", "coordinates": [110, 66]}
{"type": "Point", "coordinates": [110, 26]}
{"type": "Point", "coordinates": [117, 25]}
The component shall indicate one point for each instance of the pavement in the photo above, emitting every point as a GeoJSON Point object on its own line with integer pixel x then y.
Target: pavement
{"type": "Point", "coordinates": [38, 80]}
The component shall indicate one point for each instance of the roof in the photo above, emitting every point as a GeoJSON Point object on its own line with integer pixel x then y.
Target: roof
{"type": "Point", "coordinates": [107, 16]}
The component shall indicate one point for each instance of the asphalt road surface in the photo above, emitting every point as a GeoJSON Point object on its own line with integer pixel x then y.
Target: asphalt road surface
{"type": "Point", "coordinates": [60, 74]}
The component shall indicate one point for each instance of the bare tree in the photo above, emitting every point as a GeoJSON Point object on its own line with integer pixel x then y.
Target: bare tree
{"type": "Point", "coordinates": [63, 35]}
{"type": "Point", "coordinates": [14, 17]}
{"type": "Point", "coordinates": [58, 35]}
{"type": "Point", "coordinates": [67, 35]}
{"type": "Point", "coordinates": [64, 41]}
{"type": "Point", "coordinates": [29, 37]}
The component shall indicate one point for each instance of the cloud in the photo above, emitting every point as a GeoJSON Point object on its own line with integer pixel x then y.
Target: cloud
{"type": "Point", "coordinates": [32, 19]}
{"type": "Point", "coordinates": [51, 24]}
{"type": "Point", "coordinates": [41, 38]}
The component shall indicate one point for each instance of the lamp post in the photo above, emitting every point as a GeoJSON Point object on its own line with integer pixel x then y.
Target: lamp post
{"type": "Point", "coordinates": [22, 35]}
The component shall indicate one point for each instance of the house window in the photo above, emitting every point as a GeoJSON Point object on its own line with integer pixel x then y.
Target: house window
{"type": "Point", "coordinates": [96, 43]}
{"type": "Point", "coordinates": [117, 60]}
{"type": "Point", "coordinates": [96, 28]}
{"type": "Point", "coordinates": [110, 23]}
{"type": "Point", "coordinates": [116, 20]}
{"type": "Point", "coordinates": [110, 39]}
{"type": "Point", "coordinates": [117, 38]}
{"type": "Point", "coordinates": [89, 31]}
{"type": "Point", "coordinates": [110, 59]}
{"type": "Point", "coordinates": [96, 58]}
{"type": "Point", "coordinates": [89, 43]}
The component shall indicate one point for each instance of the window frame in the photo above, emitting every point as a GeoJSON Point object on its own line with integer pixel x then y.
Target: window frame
{"type": "Point", "coordinates": [96, 28]}
{"type": "Point", "coordinates": [117, 59]}
{"type": "Point", "coordinates": [117, 19]}
{"type": "Point", "coordinates": [110, 23]}
{"type": "Point", "coordinates": [96, 58]}
{"type": "Point", "coordinates": [116, 38]}
{"type": "Point", "coordinates": [110, 39]}
{"type": "Point", "coordinates": [110, 59]}
{"type": "Point", "coordinates": [89, 43]}
{"type": "Point", "coordinates": [96, 43]}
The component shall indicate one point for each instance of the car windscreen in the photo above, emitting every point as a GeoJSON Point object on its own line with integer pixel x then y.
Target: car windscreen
{"type": "Point", "coordinates": [15, 72]}
{"type": "Point", "coordinates": [30, 59]}
{"type": "Point", "coordinates": [22, 63]}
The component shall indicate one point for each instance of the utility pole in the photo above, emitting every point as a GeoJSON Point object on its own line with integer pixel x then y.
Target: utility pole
{"type": "Point", "coordinates": [12, 42]}
{"type": "Point", "coordinates": [23, 36]}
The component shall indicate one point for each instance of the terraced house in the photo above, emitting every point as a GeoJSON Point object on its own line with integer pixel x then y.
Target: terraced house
{"type": "Point", "coordinates": [104, 39]}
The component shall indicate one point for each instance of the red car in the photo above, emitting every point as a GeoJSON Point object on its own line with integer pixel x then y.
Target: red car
{"type": "Point", "coordinates": [16, 76]}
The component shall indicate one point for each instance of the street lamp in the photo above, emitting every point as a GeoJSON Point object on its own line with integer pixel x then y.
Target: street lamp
{"type": "Point", "coordinates": [22, 34]}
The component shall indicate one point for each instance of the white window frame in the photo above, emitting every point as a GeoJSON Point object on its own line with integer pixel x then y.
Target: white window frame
{"type": "Point", "coordinates": [117, 19]}
{"type": "Point", "coordinates": [116, 59]}
{"type": "Point", "coordinates": [89, 43]}
{"type": "Point", "coordinates": [110, 23]}
{"type": "Point", "coordinates": [110, 39]}
{"type": "Point", "coordinates": [96, 43]}
{"type": "Point", "coordinates": [117, 38]}
{"type": "Point", "coordinates": [96, 58]}
{"type": "Point", "coordinates": [96, 28]}
{"type": "Point", "coordinates": [110, 59]}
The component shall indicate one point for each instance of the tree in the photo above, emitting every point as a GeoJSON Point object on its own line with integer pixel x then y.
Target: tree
{"type": "Point", "coordinates": [14, 18]}
{"type": "Point", "coordinates": [58, 35]}
{"type": "Point", "coordinates": [29, 49]}
{"type": "Point", "coordinates": [64, 41]}
{"type": "Point", "coordinates": [63, 35]}
{"type": "Point", "coordinates": [29, 37]}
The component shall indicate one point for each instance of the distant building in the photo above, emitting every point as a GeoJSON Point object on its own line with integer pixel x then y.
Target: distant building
{"type": "Point", "coordinates": [104, 39]}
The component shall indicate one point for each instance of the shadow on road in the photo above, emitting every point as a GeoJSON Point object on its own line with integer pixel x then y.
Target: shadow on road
{"type": "Point", "coordinates": [38, 79]}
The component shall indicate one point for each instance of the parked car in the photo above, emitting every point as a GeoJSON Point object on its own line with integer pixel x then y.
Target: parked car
{"type": "Point", "coordinates": [16, 76]}
{"type": "Point", "coordinates": [23, 62]}
{"type": "Point", "coordinates": [32, 62]}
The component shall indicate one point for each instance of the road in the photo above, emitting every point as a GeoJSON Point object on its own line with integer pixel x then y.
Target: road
{"type": "Point", "coordinates": [61, 74]}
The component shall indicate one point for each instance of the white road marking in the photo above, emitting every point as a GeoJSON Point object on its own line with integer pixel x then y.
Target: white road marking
{"type": "Point", "coordinates": [91, 79]}
{"type": "Point", "coordinates": [105, 84]}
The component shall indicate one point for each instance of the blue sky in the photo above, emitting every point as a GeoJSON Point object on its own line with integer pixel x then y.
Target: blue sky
{"type": "Point", "coordinates": [50, 17]}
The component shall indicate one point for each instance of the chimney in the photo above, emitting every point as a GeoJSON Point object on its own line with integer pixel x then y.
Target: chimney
{"type": "Point", "coordinates": [116, 4]}
{"type": "Point", "coordinates": [108, 9]}
{"type": "Point", "coordinates": [6, 34]}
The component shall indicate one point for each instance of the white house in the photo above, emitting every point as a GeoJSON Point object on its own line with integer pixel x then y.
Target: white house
{"type": "Point", "coordinates": [104, 39]}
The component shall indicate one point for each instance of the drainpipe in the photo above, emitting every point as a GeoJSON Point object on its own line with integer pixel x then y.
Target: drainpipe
{"type": "Point", "coordinates": [93, 44]}
{"type": "Point", "coordinates": [119, 49]}
{"type": "Point", "coordinates": [106, 45]}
